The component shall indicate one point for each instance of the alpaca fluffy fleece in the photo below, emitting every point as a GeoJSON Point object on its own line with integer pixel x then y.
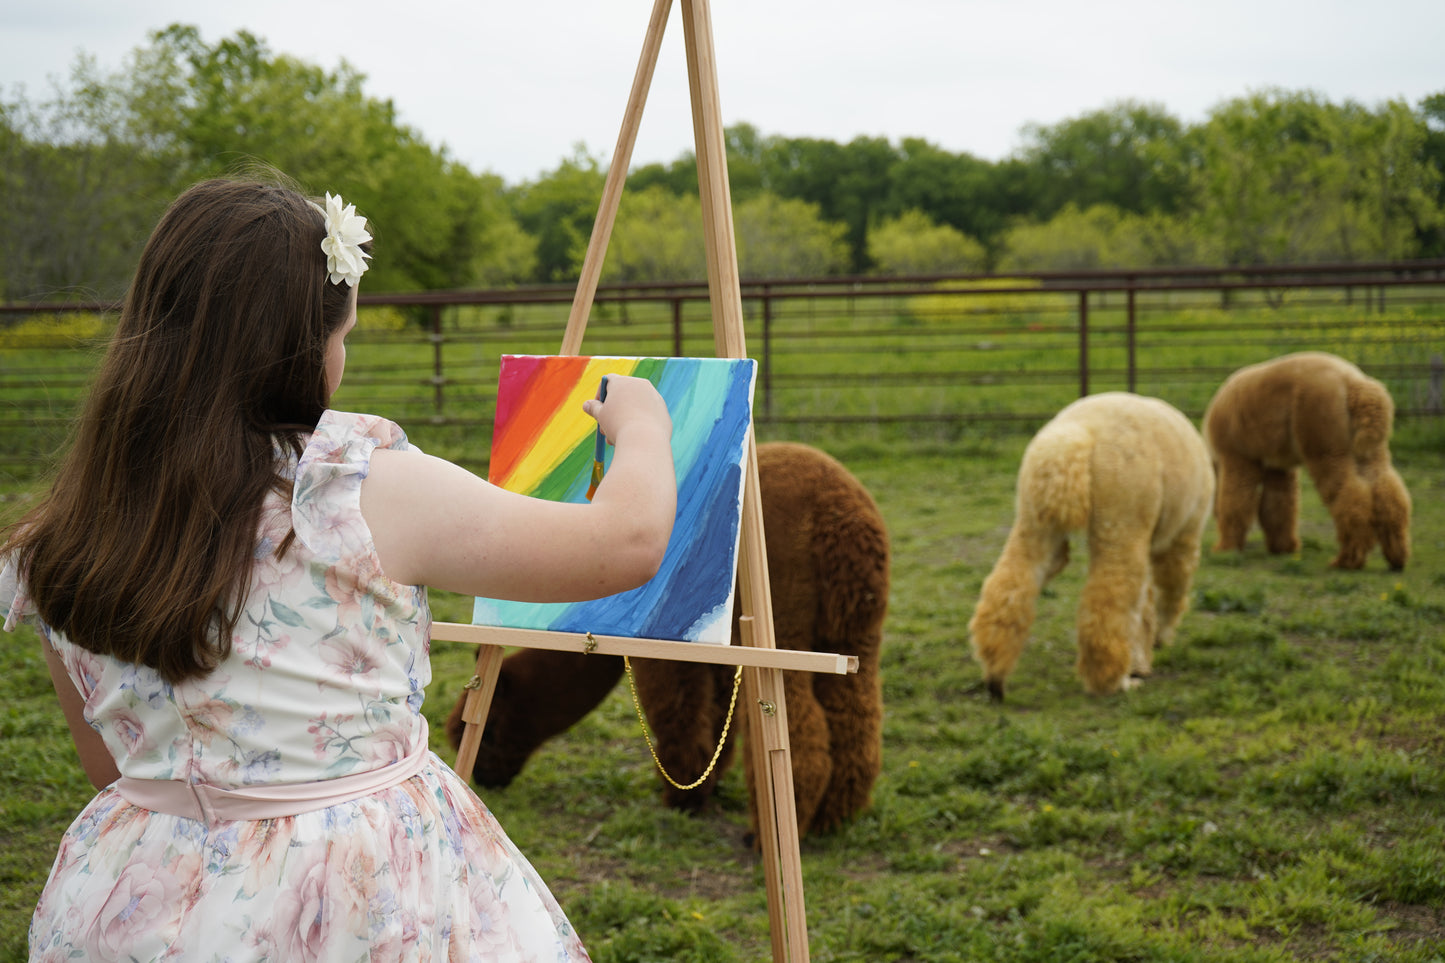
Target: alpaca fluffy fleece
{"type": "Point", "coordinates": [828, 568]}
{"type": "Point", "coordinates": [1134, 474]}
{"type": "Point", "coordinates": [1320, 411]}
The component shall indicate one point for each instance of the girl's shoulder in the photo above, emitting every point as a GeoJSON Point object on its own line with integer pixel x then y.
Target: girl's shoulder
{"type": "Point", "coordinates": [325, 496]}
{"type": "Point", "coordinates": [345, 436]}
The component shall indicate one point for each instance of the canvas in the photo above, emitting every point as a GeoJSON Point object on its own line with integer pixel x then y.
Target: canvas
{"type": "Point", "coordinates": [543, 445]}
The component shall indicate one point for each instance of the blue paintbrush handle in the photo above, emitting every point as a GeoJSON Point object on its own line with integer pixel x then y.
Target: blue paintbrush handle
{"type": "Point", "coordinates": [601, 449]}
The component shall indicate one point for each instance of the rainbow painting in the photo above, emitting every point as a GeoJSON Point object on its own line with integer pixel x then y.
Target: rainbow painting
{"type": "Point", "coordinates": [543, 445]}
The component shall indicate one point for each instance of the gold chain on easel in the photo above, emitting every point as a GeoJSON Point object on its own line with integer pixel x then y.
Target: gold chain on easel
{"type": "Point", "coordinates": [722, 739]}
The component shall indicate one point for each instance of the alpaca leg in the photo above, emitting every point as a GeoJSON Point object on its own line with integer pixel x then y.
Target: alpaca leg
{"type": "Point", "coordinates": [1005, 611]}
{"type": "Point", "coordinates": [1173, 574]}
{"type": "Point", "coordinates": [851, 559]}
{"type": "Point", "coordinates": [1390, 516]}
{"type": "Point", "coordinates": [1141, 644]}
{"type": "Point", "coordinates": [1110, 622]}
{"type": "Point", "coordinates": [1058, 559]}
{"type": "Point", "coordinates": [1347, 496]}
{"type": "Point", "coordinates": [853, 708]}
{"type": "Point", "coordinates": [1279, 511]}
{"type": "Point", "coordinates": [1236, 500]}
{"type": "Point", "coordinates": [810, 750]}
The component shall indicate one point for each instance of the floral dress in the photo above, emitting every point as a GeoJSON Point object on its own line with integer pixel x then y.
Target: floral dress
{"type": "Point", "coordinates": [324, 682]}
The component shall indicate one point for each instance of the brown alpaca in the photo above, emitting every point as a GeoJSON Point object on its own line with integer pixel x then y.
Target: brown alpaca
{"type": "Point", "coordinates": [1132, 472]}
{"type": "Point", "coordinates": [1320, 411]}
{"type": "Point", "coordinates": [828, 566]}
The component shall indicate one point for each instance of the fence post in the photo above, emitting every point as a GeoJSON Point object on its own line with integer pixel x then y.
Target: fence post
{"type": "Point", "coordinates": [767, 352]}
{"type": "Point", "coordinates": [1130, 335]}
{"type": "Point", "coordinates": [1083, 343]}
{"type": "Point", "coordinates": [677, 326]}
{"type": "Point", "coordinates": [1433, 400]}
{"type": "Point", "coordinates": [438, 375]}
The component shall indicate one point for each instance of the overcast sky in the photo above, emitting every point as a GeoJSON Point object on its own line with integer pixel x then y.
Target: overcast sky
{"type": "Point", "coordinates": [513, 87]}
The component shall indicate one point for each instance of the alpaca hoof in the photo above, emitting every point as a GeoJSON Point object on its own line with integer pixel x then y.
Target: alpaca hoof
{"type": "Point", "coordinates": [1130, 682]}
{"type": "Point", "coordinates": [995, 690]}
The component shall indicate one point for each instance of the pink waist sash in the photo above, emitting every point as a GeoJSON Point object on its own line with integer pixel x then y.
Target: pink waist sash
{"type": "Point", "coordinates": [212, 804]}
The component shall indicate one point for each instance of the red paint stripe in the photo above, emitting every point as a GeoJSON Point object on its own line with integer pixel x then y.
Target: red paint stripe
{"type": "Point", "coordinates": [521, 424]}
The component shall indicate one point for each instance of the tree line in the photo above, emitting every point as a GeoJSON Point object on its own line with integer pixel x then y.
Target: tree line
{"type": "Point", "coordinates": [1275, 176]}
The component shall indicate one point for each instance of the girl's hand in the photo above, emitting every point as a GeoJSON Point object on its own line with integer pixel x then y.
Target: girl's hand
{"type": "Point", "coordinates": [630, 402]}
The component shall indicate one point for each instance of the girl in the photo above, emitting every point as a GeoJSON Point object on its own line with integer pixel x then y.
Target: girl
{"type": "Point", "coordinates": [229, 578]}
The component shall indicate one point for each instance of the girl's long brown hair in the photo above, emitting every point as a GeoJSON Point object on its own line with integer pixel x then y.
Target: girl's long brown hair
{"type": "Point", "coordinates": [144, 546]}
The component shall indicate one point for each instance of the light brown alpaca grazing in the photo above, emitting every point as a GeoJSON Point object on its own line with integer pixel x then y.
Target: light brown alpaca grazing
{"type": "Point", "coordinates": [828, 568]}
{"type": "Point", "coordinates": [1320, 411]}
{"type": "Point", "coordinates": [1133, 473]}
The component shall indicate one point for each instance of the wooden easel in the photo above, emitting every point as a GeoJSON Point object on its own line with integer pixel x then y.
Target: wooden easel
{"type": "Point", "coordinates": [763, 663]}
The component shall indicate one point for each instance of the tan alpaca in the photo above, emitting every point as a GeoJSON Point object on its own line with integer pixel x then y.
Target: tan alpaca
{"type": "Point", "coordinates": [1133, 473]}
{"type": "Point", "coordinates": [1320, 411]}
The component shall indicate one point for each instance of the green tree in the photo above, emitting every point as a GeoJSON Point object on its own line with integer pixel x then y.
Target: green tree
{"type": "Point", "coordinates": [1287, 177]}
{"type": "Point", "coordinates": [745, 147]}
{"type": "Point", "coordinates": [78, 189]}
{"type": "Point", "coordinates": [1131, 156]}
{"type": "Point", "coordinates": [101, 160]}
{"type": "Point", "coordinates": [678, 177]}
{"type": "Point", "coordinates": [506, 254]}
{"type": "Point", "coordinates": [848, 183]}
{"type": "Point", "coordinates": [559, 210]}
{"type": "Point", "coordinates": [1432, 113]}
{"type": "Point", "coordinates": [786, 237]}
{"type": "Point", "coordinates": [1072, 240]}
{"type": "Point", "coordinates": [977, 198]}
{"type": "Point", "coordinates": [233, 105]}
{"type": "Point", "coordinates": [1393, 191]}
{"type": "Point", "coordinates": [1161, 241]}
{"type": "Point", "coordinates": [912, 244]}
{"type": "Point", "coordinates": [1104, 237]}
{"type": "Point", "coordinates": [861, 182]}
{"type": "Point", "coordinates": [657, 237]}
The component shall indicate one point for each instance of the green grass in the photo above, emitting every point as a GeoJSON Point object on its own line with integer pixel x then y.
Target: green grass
{"type": "Point", "coordinates": [1274, 792]}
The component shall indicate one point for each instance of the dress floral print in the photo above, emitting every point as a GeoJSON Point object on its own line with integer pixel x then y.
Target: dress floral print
{"type": "Point", "coordinates": [324, 681]}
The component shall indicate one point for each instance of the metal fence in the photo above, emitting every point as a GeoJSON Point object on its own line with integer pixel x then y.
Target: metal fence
{"type": "Point", "coordinates": [903, 354]}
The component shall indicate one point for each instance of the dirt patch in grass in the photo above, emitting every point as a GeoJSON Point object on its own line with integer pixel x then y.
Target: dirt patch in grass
{"type": "Point", "coordinates": [1414, 924]}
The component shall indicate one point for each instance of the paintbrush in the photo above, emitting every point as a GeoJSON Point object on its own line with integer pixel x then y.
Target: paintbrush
{"type": "Point", "coordinates": [599, 450]}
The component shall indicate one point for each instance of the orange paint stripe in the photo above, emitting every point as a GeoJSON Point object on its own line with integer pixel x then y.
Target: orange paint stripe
{"type": "Point", "coordinates": [519, 435]}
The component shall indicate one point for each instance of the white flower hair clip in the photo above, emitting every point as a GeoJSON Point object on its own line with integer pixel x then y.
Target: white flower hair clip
{"type": "Point", "coordinates": [345, 233]}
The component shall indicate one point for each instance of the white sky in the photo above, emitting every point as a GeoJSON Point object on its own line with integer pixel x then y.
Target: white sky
{"type": "Point", "coordinates": [513, 87]}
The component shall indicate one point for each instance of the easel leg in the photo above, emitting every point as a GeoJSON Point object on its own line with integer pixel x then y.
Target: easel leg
{"type": "Point", "coordinates": [770, 761]}
{"type": "Point", "coordinates": [480, 688]}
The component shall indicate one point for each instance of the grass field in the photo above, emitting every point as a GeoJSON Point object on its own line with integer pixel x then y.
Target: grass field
{"type": "Point", "coordinates": [1275, 792]}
